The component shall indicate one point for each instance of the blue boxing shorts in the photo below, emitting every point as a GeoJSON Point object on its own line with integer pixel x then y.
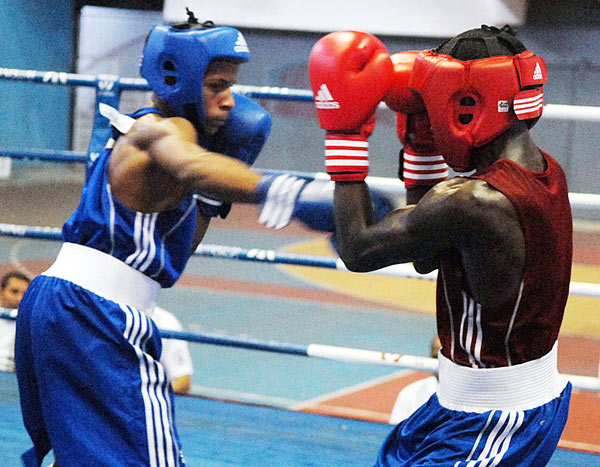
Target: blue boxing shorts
{"type": "Point", "coordinates": [454, 429]}
{"type": "Point", "coordinates": [90, 382]}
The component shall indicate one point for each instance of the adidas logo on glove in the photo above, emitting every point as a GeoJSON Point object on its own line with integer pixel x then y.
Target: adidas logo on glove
{"type": "Point", "coordinates": [324, 99]}
{"type": "Point", "coordinates": [241, 45]}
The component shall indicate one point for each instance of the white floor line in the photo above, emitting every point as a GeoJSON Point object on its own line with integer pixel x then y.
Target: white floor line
{"type": "Point", "coordinates": [241, 396]}
{"type": "Point", "coordinates": [348, 390]}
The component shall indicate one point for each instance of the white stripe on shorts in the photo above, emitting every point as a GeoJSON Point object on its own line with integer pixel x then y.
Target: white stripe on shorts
{"type": "Point", "coordinates": [162, 447]}
{"type": "Point", "coordinates": [498, 439]}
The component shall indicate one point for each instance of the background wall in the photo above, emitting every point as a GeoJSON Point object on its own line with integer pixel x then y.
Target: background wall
{"type": "Point", "coordinates": [417, 18]}
{"type": "Point", "coordinates": [36, 35]}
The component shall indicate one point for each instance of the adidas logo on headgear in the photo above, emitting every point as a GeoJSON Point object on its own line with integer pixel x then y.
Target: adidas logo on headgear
{"type": "Point", "coordinates": [537, 73]}
{"type": "Point", "coordinates": [240, 44]}
{"type": "Point", "coordinates": [324, 99]}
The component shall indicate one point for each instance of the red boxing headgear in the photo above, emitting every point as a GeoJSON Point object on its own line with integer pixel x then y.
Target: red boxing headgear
{"type": "Point", "coordinates": [472, 101]}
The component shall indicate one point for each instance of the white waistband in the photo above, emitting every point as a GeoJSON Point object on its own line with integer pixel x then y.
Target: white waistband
{"type": "Point", "coordinates": [518, 387]}
{"type": "Point", "coordinates": [105, 276]}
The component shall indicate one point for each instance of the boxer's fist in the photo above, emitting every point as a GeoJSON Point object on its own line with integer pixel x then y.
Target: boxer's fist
{"type": "Point", "coordinates": [246, 130]}
{"type": "Point", "coordinates": [399, 97]}
{"type": "Point", "coordinates": [414, 132]}
{"type": "Point", "coordinates": [242, 137]}
{"type": "Point", "coordinates": [288, 197]}
{"type": "Point", "coordinates": [350, 73]}
{"type": "Point", "coordinates": [420, 162]}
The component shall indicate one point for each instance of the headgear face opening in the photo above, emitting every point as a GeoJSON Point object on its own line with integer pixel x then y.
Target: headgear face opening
{"type": "Point", "coordinates": [175, 60]}
{"type": "Point", "coordinates": [471, 102]}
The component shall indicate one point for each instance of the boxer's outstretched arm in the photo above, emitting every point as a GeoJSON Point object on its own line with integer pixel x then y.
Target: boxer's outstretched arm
{"type": "Point", "coordinates": [224, 177]}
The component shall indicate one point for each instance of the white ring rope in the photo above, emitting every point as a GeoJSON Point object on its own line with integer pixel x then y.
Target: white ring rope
{"type": "Point", "coordinates": [581, 201]}
{"type": "Point", "coordinates": [551, 111]}
{"type": "Point", "coordinates": [583, 289]}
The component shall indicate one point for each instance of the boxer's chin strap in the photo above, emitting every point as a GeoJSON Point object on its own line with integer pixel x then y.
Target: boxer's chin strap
{"type": "Point", "coordinates": [122, 123]}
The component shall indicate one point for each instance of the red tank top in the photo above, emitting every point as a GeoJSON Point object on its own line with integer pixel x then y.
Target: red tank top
{"type": "Point", "coordinates": [526, 329]}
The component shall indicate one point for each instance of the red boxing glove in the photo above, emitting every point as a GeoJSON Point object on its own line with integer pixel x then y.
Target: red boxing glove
{"type": "Point", "coordinates": [420, 162]}
{"type": "Point", "coordinates": [350, 73]}
{"type": "Point", "coordinates": [399, 97]}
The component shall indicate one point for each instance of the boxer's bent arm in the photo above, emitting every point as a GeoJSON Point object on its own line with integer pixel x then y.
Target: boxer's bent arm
{"type": "Point", "coordinates": [413, 196]}
{"type": "Point", "coordinates": [439, 221]}
{"type": "Point", "coordinates": [362, 245]}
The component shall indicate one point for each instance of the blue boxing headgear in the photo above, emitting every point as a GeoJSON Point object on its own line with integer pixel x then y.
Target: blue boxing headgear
{"type": "Point", "coordinates": [175, 60]}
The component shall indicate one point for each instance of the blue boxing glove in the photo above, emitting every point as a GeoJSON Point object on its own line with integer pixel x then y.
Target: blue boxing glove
{"type": "Point", "coordinates": [309, 200]}
{"type": "Point", "coordinates": [242, 137]}
{"type": "Point", "coordinates": [246, 130]}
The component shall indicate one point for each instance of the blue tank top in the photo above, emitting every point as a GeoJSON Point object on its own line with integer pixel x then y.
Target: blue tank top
{"type": "Point", "coordinates": [157, 244]}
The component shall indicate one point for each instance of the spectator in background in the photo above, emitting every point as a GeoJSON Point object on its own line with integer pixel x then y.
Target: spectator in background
{"type": "Point", "coordinates": [414, 395]}
{"type": "Point", "coordinates": [12, 288]}
{"type": "Point", "coordinates": [175, 357]}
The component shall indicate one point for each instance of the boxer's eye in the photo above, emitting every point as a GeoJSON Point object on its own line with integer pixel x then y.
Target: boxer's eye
{"type": "Point", "coordinates": [219, 85]}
